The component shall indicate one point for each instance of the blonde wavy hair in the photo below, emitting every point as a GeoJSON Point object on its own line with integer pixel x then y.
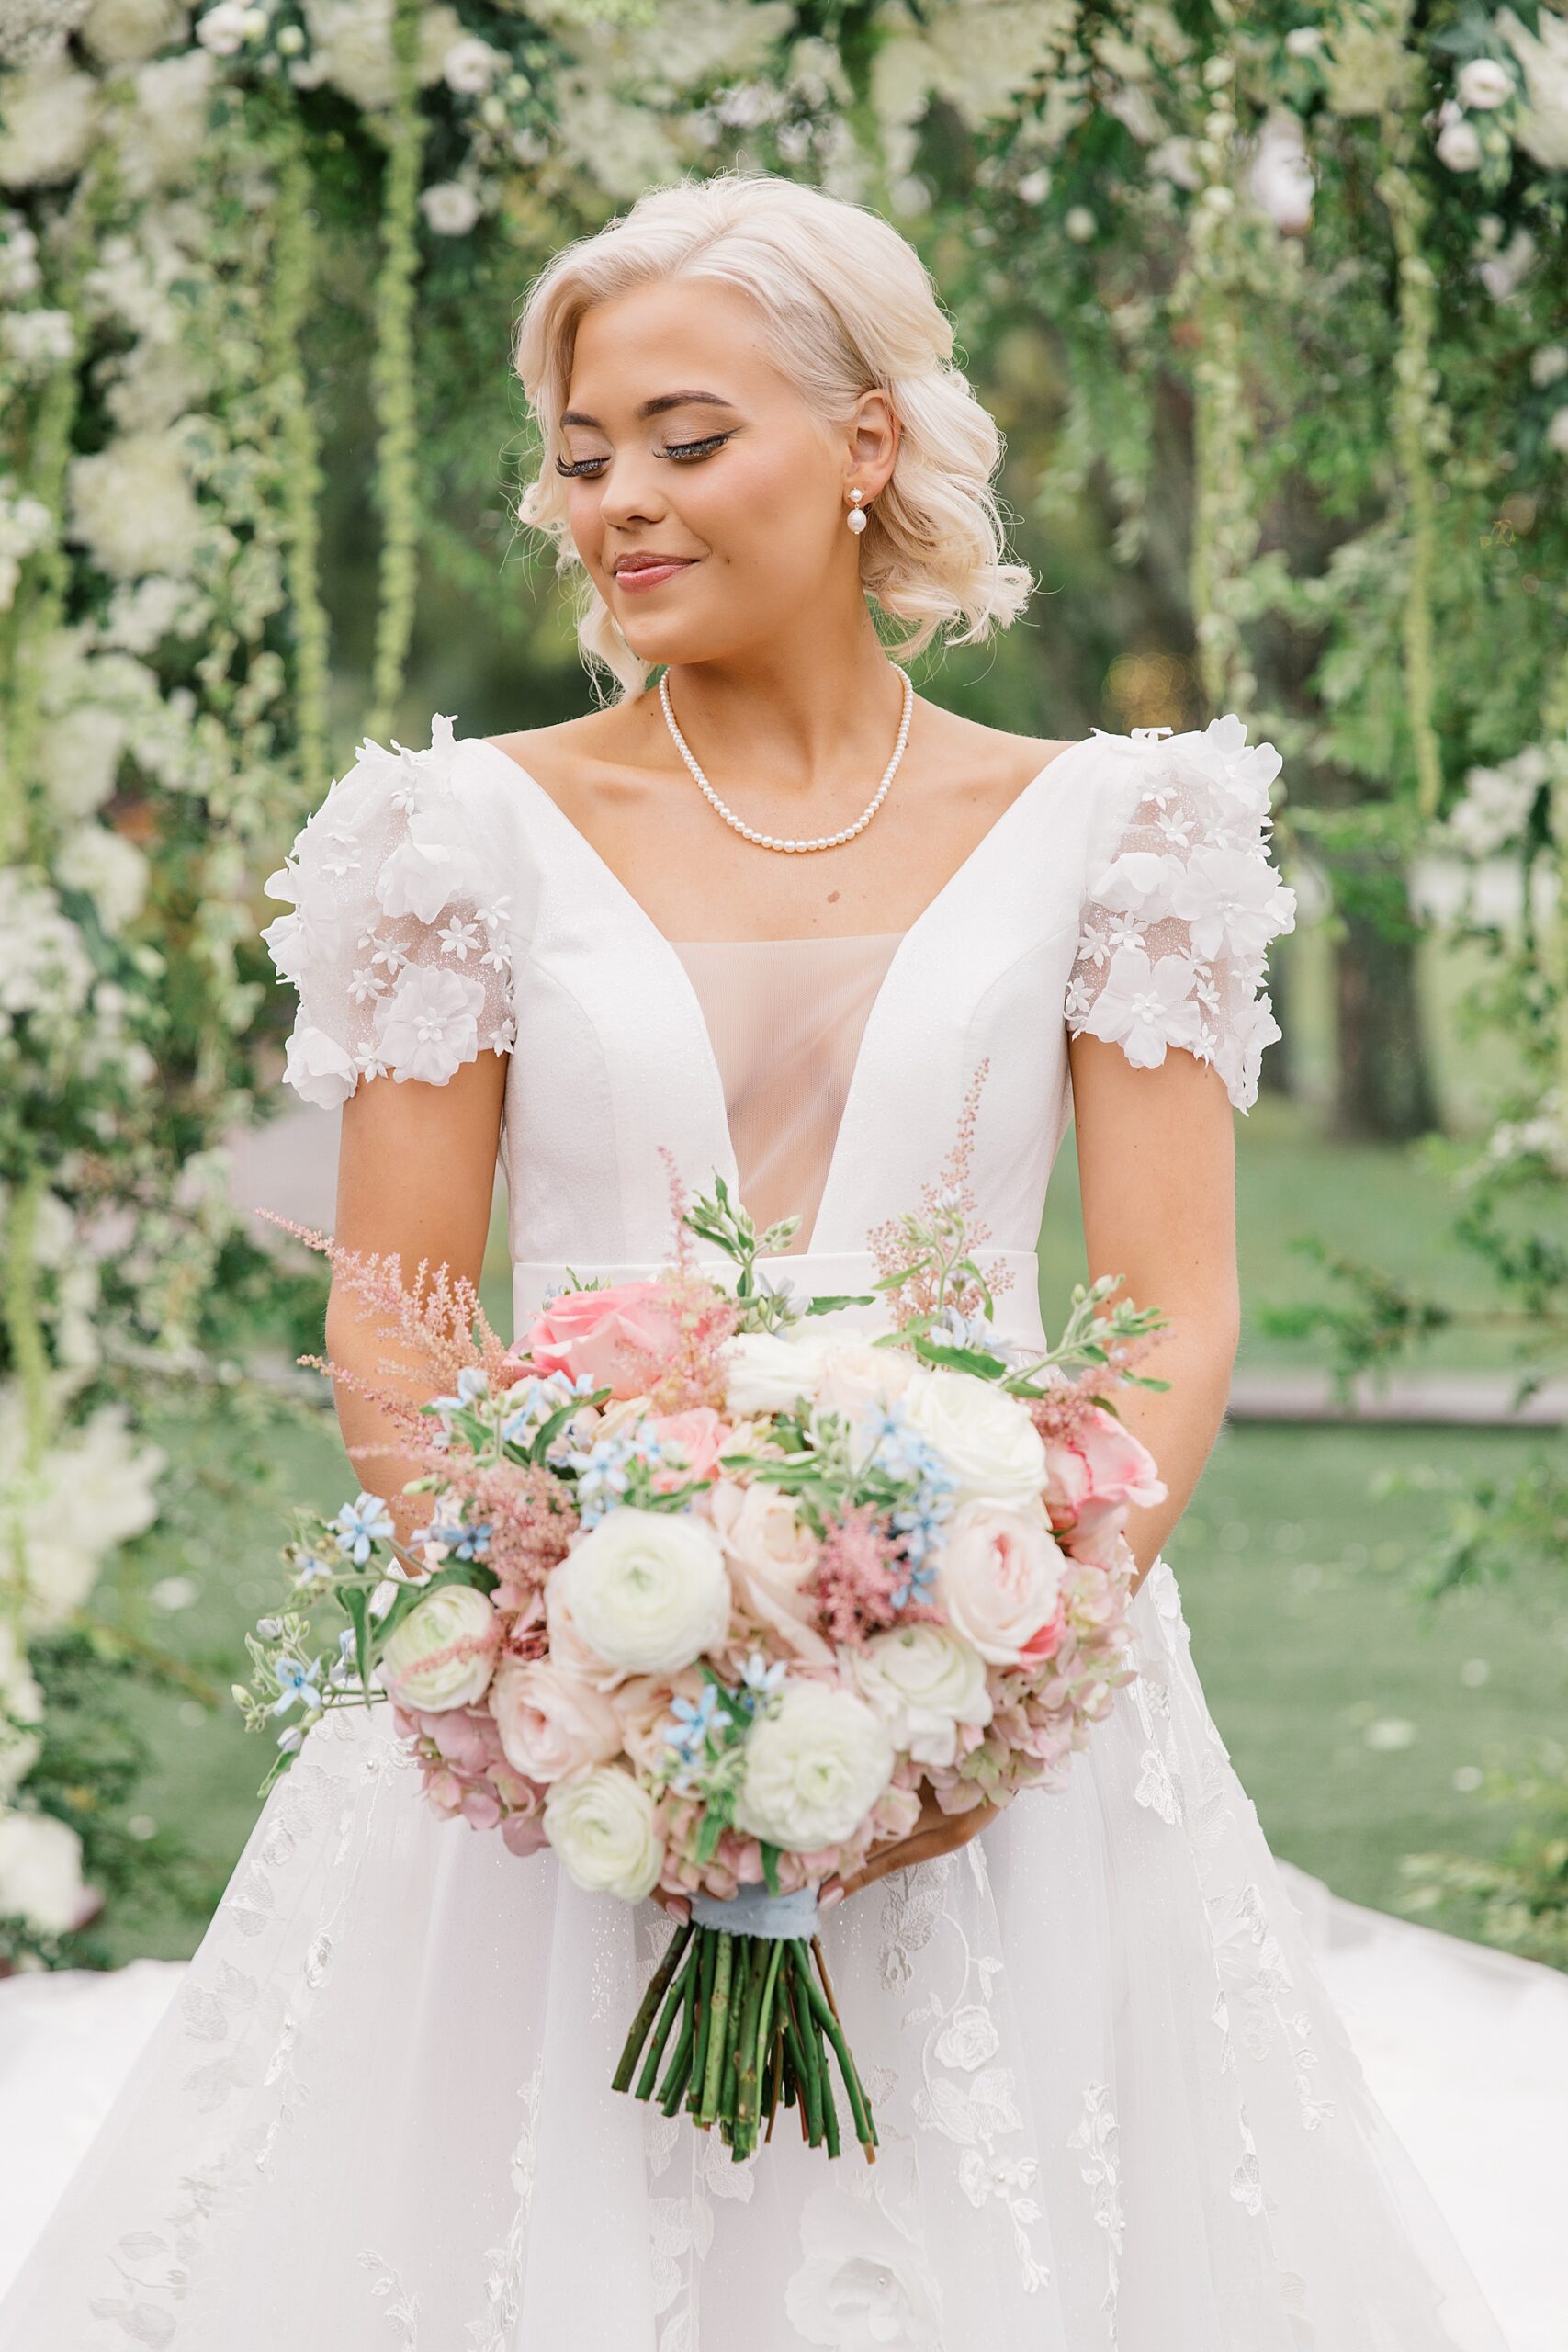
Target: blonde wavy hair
{"type": "Point", "coordinates": [848, 307]}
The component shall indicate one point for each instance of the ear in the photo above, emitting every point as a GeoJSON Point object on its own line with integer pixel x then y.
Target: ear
{"type": "Point", "coordinates": [874, 437]}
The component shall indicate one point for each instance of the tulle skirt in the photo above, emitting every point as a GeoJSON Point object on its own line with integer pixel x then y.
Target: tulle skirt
{"type": "Point", "coordinates": [1115, 2106]}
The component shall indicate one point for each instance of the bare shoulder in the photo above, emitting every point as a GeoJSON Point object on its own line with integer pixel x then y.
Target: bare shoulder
{"type": "Point", "coordinates": [573, 754]}
{"type": "Point", "coordinates": [990, 757]}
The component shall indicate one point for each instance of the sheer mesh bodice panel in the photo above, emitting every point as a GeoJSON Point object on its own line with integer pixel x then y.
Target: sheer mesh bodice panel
{"type": "Point", "coordinates": [785, 1018]}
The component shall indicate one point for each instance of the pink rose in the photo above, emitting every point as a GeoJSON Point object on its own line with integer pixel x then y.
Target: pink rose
{"type": "Point", "coordinates": [702, 1437]}
{"type": "Point", "coordinates": [1102, 1463]}
{"type": "Point", "coordinates": [772, 1556]}
{"type": "Point", "coordinates": [644, 1704]}
{"type": "Point", "coordinates": [607, 1334]}
{"type": "Point", "coordinates": [550, 1723]}
{"type": "Point", "coordinates": [1000, 1582]}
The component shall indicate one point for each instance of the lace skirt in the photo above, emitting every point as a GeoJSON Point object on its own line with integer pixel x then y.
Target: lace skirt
{"type": "Point", "coordinates": [1115, 2106]}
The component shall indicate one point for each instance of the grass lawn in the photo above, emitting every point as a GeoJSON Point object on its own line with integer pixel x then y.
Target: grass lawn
{"type": "Point", "coordinates": [1381, 1203]}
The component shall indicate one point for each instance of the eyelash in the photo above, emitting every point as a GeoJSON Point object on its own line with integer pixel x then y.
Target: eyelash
{"type": "Point", "coordinates": [682, 449]}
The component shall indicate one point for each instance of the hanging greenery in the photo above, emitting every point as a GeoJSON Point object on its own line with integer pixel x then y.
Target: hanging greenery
{"type": "Point", "coordinates": [1301, 280]}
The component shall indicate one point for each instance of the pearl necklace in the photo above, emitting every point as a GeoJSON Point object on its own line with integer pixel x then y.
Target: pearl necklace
{"type": "Point", "coordinates": [766, 841]}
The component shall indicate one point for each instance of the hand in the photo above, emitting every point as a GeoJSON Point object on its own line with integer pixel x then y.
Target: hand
{"type": "Point", "coordinates": [935, 1833]}
{"type": "Point", "coordinates": [678, 1907]}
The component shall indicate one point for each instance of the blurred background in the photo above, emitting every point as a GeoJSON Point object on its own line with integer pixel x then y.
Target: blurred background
{"type": "Point", "coordinates": [1271, 308]}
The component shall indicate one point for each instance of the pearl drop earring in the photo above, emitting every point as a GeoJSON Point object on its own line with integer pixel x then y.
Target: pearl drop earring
{"type": "Point", "coordinates": [855, 518]}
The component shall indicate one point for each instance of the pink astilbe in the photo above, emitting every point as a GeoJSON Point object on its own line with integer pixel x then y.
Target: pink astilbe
{"type": "Point", "coordinates": [532, 1513]}
{"type": "Point", "coordinates": [859, 1568]}
{"type": "Point", "coordinates": [1068, 1406]}
{"type": "Point", "coordinates": [948, 1227]}
{"type": "Point", "coordinates": [439, 1321]}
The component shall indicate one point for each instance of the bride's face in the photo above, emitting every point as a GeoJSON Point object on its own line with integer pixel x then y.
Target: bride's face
{"type": "Point", "coordinates": [685, 442]}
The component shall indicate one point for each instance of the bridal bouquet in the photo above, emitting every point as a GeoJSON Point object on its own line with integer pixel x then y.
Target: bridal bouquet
{"type": "Point", "coordinates": [710, 1589]}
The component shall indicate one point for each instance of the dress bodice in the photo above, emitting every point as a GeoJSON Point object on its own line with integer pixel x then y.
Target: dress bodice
{"type": "Point", "coordinates": [444, 904]}
{"type": "Point", "coordinates": [785, 1018]}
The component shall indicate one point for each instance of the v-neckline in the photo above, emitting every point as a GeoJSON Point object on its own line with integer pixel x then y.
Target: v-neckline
{"type": "Point", "coordinates": [925, 919]}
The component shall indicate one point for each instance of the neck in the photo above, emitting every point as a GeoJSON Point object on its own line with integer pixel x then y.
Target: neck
{"type": "Point", "coordinates": [806, 718]}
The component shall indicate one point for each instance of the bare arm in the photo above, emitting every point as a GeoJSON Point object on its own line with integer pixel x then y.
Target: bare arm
{"type": "Point", "coordinates": [1157, 1164]}
{"type": "Point", "coordinates": [416, 1174]}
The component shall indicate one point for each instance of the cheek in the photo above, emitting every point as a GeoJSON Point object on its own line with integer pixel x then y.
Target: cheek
{"type": "Point", "coordinates": [756, 511]}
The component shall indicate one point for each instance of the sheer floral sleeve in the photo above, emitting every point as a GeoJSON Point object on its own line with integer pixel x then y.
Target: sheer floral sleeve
{"type": "Point", "coordinates": [1182, 901]}
{"type": "Point", "coordinates": [397, 944]}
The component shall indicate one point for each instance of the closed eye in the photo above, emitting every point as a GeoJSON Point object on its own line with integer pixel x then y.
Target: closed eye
{"type": "Point", "coordinates": [590, 467]}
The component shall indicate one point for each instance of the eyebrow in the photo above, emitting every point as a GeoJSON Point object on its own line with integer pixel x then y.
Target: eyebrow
{"type": "Point", "coordinates": [655, 407]}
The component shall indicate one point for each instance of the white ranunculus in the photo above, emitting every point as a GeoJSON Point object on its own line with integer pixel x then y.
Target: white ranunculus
{"type": "Point", "coordinates": [983, 1435]}
{"type": "Point", "coordinates": [112, 871]}
{"type": "Point", "coordinates": [417, 1676]}
{"type": "Point", "coordinates": [133, 506]}
{"type": "Point", "coordinates": [1557, 433]}
{"type": "Point", "coordinates": [40, 1869]}
{"type": "Point", "coordinates": [127, 32]}
{"type": "Point", "coordinates": [449, 207]}
{"type": "Point", "coordinates": [50, 118]}
{"type": "Point", "coordinates": [648, 1591]}
{"type": "Point", "coordinates": [856, 1378]}
{"type": "Point", "coordinates": [999, 1581]}
{"type": "Point", "coordinates": [549, 1723]}
{"type": "Point", "coordinates": [923, 1680]}
{"type": "Point", "coordinates": [765, 1372]}
{"type": "Point", "coordinates": [603, 1825]}
{"type": "Point", "coordinates": [813, 1771]}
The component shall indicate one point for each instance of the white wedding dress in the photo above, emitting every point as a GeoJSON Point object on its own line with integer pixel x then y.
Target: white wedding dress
{"type": "Point", "coordinates": [1115, 2107]}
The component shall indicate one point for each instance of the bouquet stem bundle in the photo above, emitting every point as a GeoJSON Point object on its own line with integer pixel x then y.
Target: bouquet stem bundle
{"type": "Point", "coordinates": [748, 2019]}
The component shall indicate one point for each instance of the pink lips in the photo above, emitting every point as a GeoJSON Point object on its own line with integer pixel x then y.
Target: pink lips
{"type": "Point", "coordinates": [650, 575]}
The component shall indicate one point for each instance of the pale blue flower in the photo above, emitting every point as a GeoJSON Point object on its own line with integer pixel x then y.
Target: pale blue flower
{"type": "Point", "coordinates": [297, 1681]}
{"type": "Point", "coordinates": [359, 1524]}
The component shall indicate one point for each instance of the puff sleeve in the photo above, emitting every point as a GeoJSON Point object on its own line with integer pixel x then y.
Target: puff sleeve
{"type": "Point", "coordinates": [1181, 900]}
{"type": "Point", "coordinates": [399, 940]}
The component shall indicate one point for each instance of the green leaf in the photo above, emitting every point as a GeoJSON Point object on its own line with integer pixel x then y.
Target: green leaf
{"type": "Point", "coordinates": [825, 1303]}
{"type": "Point", "coordinates": [957, 1359]}
{"type": "Point", "coordinates": [770, 1866]}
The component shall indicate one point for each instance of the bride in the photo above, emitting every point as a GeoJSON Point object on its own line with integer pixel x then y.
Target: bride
{"type": "Point", "coordinates": [771, 916]}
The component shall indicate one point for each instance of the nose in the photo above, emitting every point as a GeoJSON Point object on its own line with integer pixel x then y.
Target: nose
{"type": "Point", "coordinates": [633, 495]}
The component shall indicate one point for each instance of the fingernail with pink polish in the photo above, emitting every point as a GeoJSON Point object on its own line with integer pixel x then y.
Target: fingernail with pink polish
{"type": "Point", "coordinates": [834, 1894]}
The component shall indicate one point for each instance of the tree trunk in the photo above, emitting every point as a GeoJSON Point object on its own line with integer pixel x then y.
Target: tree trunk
{"type": "Point", "coordinates": [1382, 1089]}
